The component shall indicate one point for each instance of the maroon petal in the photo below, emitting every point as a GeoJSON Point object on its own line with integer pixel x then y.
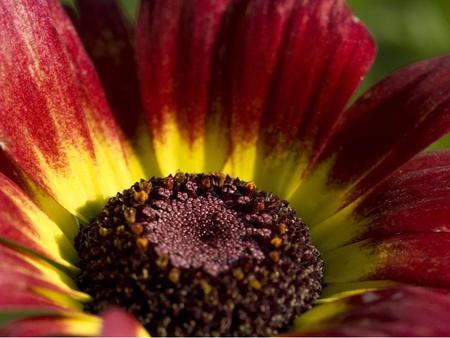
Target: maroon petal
{"type": "Point", "coordinates": [427, 160]}
{"type": "Point", "coordinates": [382, 130]}
{"type": "Point", "coordinates": [403, 311]}
{"type": "Point", "coordinates": [324, 54]}
{"type": "Point", "coordinates": [108, 38]}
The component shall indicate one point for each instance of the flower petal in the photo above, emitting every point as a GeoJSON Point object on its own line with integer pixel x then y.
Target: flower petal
{"type": "Point", "coordinates": [54, 120]}
{"type": "Point", "coordinates": [108, 38]}
{"type": "Point", "coordinates": [175, 41]}
{"type": "Point", "coordinates": [388, 125]}
{"type": "Point", "coordinates": [417, 258]}
{"type": "Point", "coordinates": [405, 311]}
{"type": "Point", "coordinates": [414, 199]}
{"type": "Point", "coordinates": [427, 160]}
{"type": "Point", "coordinates": [112, 323]}
{"type": "Point", "coordinates": [32, 287]}
{"type": "Point", "coordinates": [218, 78]}
{"type": "Point", "coordinates": [324, 54]}
{"type": "Point", "coordinates": [23, 271]}
{"type": "Point", "coordinates": [76, 324]}
{"type": "Point", "coordinates": [118, 323]}
{"type": "Point", "coordinates": [23, 223]}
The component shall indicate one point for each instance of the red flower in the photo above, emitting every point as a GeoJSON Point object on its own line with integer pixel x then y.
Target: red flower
{"type": "Point", "coordinates": [256, 89]}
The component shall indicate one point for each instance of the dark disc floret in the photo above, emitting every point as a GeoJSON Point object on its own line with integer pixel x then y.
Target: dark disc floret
{"type": "Point", "coordinates": [200, 255]}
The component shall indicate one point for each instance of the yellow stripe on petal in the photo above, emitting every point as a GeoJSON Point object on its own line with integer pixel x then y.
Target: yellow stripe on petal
{"type": "Point", "coordinates": [338, 229]}
{"type": "Point", "coordinates": [140, 154]}
{"type": "Point", "coordinates": [314, 318]}
{"type": "Point", "coordinates": [68, 323]}
{"type": "Point", "coordinates": [241, 162]}
{"type": "Point", "coordinates": [353, 262]}
{"type": "Point", "coordinates": [82, 326]}
{"type": "Point", "coordinates": [70, 301]}
{"type": "Point", "coordinates": [280, 171]}
{"type": "Point", "coordinates": [216, 143]}
{"type": "Point", "coordinates": [175, 152]}
{"type": "Point", "coordinates": [335, 291]}
{"type": "Point", "coordinates": [314, 200]}
{"type": "Point", "coordinates": [23, 223]}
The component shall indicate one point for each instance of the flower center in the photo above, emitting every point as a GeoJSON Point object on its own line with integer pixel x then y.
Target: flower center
{"type": "Point", "coordinates": [200, 255]}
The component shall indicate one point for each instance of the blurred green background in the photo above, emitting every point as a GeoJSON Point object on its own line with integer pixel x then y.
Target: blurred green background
{"type": "Point", "coordinates": [405, 30]}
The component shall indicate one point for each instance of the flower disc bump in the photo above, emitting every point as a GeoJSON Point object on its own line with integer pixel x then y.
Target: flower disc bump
{"type": "Point", "coordinates": [200, 255]}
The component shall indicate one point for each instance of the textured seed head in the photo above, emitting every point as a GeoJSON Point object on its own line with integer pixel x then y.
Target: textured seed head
{"type": "Point", "coordinates": [200, 255]}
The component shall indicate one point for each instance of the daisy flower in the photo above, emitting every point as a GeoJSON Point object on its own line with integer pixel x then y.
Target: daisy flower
{"type": "Point", "coordinates": [203, 173]}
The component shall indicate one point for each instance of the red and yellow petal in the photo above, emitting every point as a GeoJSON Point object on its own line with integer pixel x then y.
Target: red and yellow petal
{"type": "Point", "coordinates": [234, 85]}
{"type": "Point", "coordinates": [39, 299]}
{"type": "Point", "coordinates": [415, 199]}
{"type": "Point", "coordinates": [75, 324]}
{"type": "Point", "coordinates": [324, 54]}
{"type": "Point", "coordinates": [420, 259]}
{"type": "Point", "coordinates": [388, 125]}
{"type": "Point", "coordinates": [175, 45]}
{"type": "Point", "coordinates": [38, 276]}
{"type": "Point", "coordinates": [54, 120]}
{"type": "Point", "coordinates": [403, 311]}
{"type": "Point", "coordinates": [112, 323]}
{"type": "Point", "coordinates": [32, 287]}
{"type": "Point", "coordinates": [34, 290]}
{"type": "Point", "coordinates": [23, 223]}
{"type": "Point", "coordinates": [399, 231]}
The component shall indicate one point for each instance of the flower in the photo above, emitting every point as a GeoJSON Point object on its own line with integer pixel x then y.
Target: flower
{"type": "Point", "coordinates": [256, 89]}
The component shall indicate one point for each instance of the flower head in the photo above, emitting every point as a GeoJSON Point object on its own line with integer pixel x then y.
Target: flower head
{"type": "Point", "coordinates": [234, 115]}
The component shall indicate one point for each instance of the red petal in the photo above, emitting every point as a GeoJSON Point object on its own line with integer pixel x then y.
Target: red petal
{"type": "Point", "coordinates": [403, 311]}
{"type": "Point", "coordinates": [54, 121]}
{"type": "Point", "coordinates": [107, 37]}
{"type": "Point", "coordinates": [118, 323]}
{"type": "Point", "coordinates": [414, 199]}
{"type": "Point", "coordinates": [325, 53]}
{"type": "Point", "coordinates": [175, 43]}
{"type": "Point", "coordinates": [382, 130]}
{"type": "Point", "coordinates": [421, 259]}
{"type": "Point", "coordinates": [427, 160]}
{"type": "Point", "coordinates": [75, 324]}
